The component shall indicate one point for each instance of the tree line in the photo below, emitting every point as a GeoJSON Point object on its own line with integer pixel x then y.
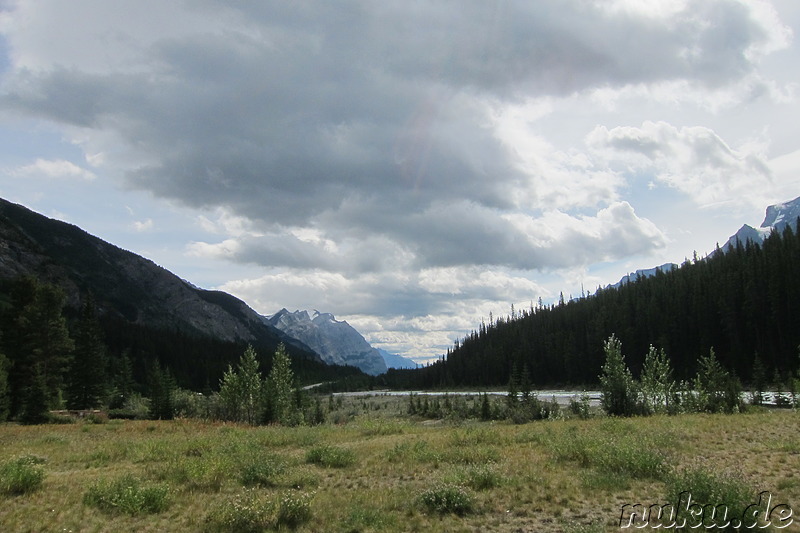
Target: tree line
{"type": "Point", "coordinates": [743, 303]}
{"type": "Point", "coordinates": [53, 358]}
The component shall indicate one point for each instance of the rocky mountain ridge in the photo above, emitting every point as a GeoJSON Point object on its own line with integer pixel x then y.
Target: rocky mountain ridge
{"type": "Point", "coordinates": [776, 218]}
{"type": "Point", "coordinates": [337, 342]}
{"type": "Point", "coordinates": [123, 283]}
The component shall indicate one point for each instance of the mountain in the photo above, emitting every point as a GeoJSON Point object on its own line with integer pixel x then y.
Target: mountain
{"type": "Point", "coordinates": [126, 287]}
{"type": "Point", "coordinates": [777, 217]}
{"type": "Point", "coordinates": [396, 361]}
{"type": "Point", "coordinates": [644, 273]}
{"type": "Point", "coordinates": [336, 341]}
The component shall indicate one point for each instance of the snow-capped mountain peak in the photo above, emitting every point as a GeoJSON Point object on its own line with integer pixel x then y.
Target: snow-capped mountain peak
{"type": "Point", "coordinates": [335, 341]}
{"type": "Point", "coordinates": [777, 217]}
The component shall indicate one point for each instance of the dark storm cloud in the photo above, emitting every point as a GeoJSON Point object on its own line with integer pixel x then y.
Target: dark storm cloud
{"type": "Point", "coordinates": [372, 118]}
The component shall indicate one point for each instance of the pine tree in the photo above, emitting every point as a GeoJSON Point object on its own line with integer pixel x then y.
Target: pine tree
{"type": "Point", "coordinates": [37, 342]}
{"type": "Point", "coordinates": [717, 390]}
{"type": "Point", "coordinates": [123, 384]}
{"type": "Point", "coordinates": [162, 387]}
{"type": "Point", "coordinates": [512, 399]}
{"type": "Point", "coordinates": [486, 408]}
{"type": "Point", "coordinates": [35, 399]}
{"type": "Point", "coordinates": [87, 378]}
{"type": "Point", "coordinates": [525, 384]}
{"type": "Point", "coordinates": [5, 400]}
{"type": "Point", "coordinates": [759, 382]}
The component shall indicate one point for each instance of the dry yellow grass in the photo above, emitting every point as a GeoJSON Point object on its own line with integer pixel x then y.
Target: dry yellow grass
{"type": "Point", "coordinates": [563, 475]}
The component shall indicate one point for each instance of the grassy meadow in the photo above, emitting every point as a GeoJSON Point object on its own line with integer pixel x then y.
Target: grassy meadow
{"type": "Point", "coordinates": [372, 468]}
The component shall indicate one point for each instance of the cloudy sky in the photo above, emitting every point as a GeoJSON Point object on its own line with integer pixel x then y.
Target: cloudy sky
{"type": "Point", "coordinates": [408, 166]}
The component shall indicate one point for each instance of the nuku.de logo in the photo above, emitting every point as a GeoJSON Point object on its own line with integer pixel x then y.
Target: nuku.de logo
{"type": "Point", "coordinates": [687, 513]}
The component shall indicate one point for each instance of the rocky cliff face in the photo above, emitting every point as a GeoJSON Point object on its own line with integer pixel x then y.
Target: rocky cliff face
{"type": "Point", "coordinates": [337, 342]}
{"type": "Point", "coordinates": [121, 282]}
{"type": "Point", "coordinates": [776, 218]}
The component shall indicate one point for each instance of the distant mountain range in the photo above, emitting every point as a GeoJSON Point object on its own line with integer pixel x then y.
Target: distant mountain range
{"type": "Point", "coordinates": [644, 273]}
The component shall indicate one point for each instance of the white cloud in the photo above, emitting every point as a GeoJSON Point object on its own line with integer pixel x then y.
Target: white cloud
{"type": "Point", "coordinates": [57, 168]}
{"type": "Point", "coordinates": [142, 226]}
{"type": "Point", "coordinates": [694, 160]}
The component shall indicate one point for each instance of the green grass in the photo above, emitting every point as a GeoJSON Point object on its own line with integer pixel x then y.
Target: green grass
{"type": "Point", "coordinates": [21, 475]}
{"type": "Point", "coordinates": [331, 456]}
{"type": "Point", "coordinates": [387, 472]}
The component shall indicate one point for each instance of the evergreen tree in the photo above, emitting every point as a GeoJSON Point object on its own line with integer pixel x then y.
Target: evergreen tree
{"type": "Point", "coordinates": [412, 408]}
{"type": "Point", "coordinates": [525, 384]}
{"type": "Point", "coordinates": [87, 381]}
{"type": "Point", "coordinates": [162, 388]}
{"type": "Point", "coordinates": [486, 408]}
{"type": "Point", "coordinates": [318, 415]}
{"type": "Point", "coordinates": [37, 342]}
{"type": "Point", "coordinates": [279, 383]}
{"type": "Point", "coordinates": [619, 395]}
{"type": "Point", "coordinates": [717, 390]}
{"type": "Point", "coordinates": [34, 400]}
{"type": "Point", "coordinates": [123, 384]}
{"type": "Point", "coordinates": [512, 399]}
{"type": "Point", "coordinates": [759, 381]}
{"type": "Point", "coordinates": [5, 400]}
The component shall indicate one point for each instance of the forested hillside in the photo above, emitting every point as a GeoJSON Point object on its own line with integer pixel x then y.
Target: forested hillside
{"type": "Point", "coordinates": [742, 303]}
{"type": "Point", "coordinates": [54, 358]}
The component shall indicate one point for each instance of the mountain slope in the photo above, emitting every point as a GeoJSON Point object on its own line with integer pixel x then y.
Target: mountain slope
{"type": "Point", "coordinates": [776, 218]}
{"type": "Point", "coordinates": [644, 273]}
{"type": "Point", "coordinates": [396, 361]}
{"type": "Point", "coordinates": [124, 284]}
{"type": "Point", "coordinates": [336, 341]}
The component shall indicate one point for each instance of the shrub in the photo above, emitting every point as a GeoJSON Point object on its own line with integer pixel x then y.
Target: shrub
{"type": "Point", "coordinates": [331, 456]}
{"type": "Point", "coordinates": [253, 512]}
{"type": "Point", "coordinates": [260, 472]}
{"type": "Point", "coordinates": [21, 475]}
{"type": "Point", "coordinates": [418, 451]}
{"type": "Point", "coordinates": [726, 495]}
{"type": "Point", "coordinates": [629, 456]}
{"type": "Point", "coordinates": [579, 406]}
{"type": "Point", "coordinates": [294, 509]}
{"type": "Point", "coordinates": [193, 473]}
{"type": "Point", "coordinates": [247, 512]}
{"type": "Point", "coordinates": [478, 477]}
{"type": "Point", "coordinates": [447, 498]}
{"type": "Point", "coordinates": [126, 494]}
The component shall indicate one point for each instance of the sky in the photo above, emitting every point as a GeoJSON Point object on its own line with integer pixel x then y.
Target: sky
{"type": "Point", "coordinates": [410, 167]}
